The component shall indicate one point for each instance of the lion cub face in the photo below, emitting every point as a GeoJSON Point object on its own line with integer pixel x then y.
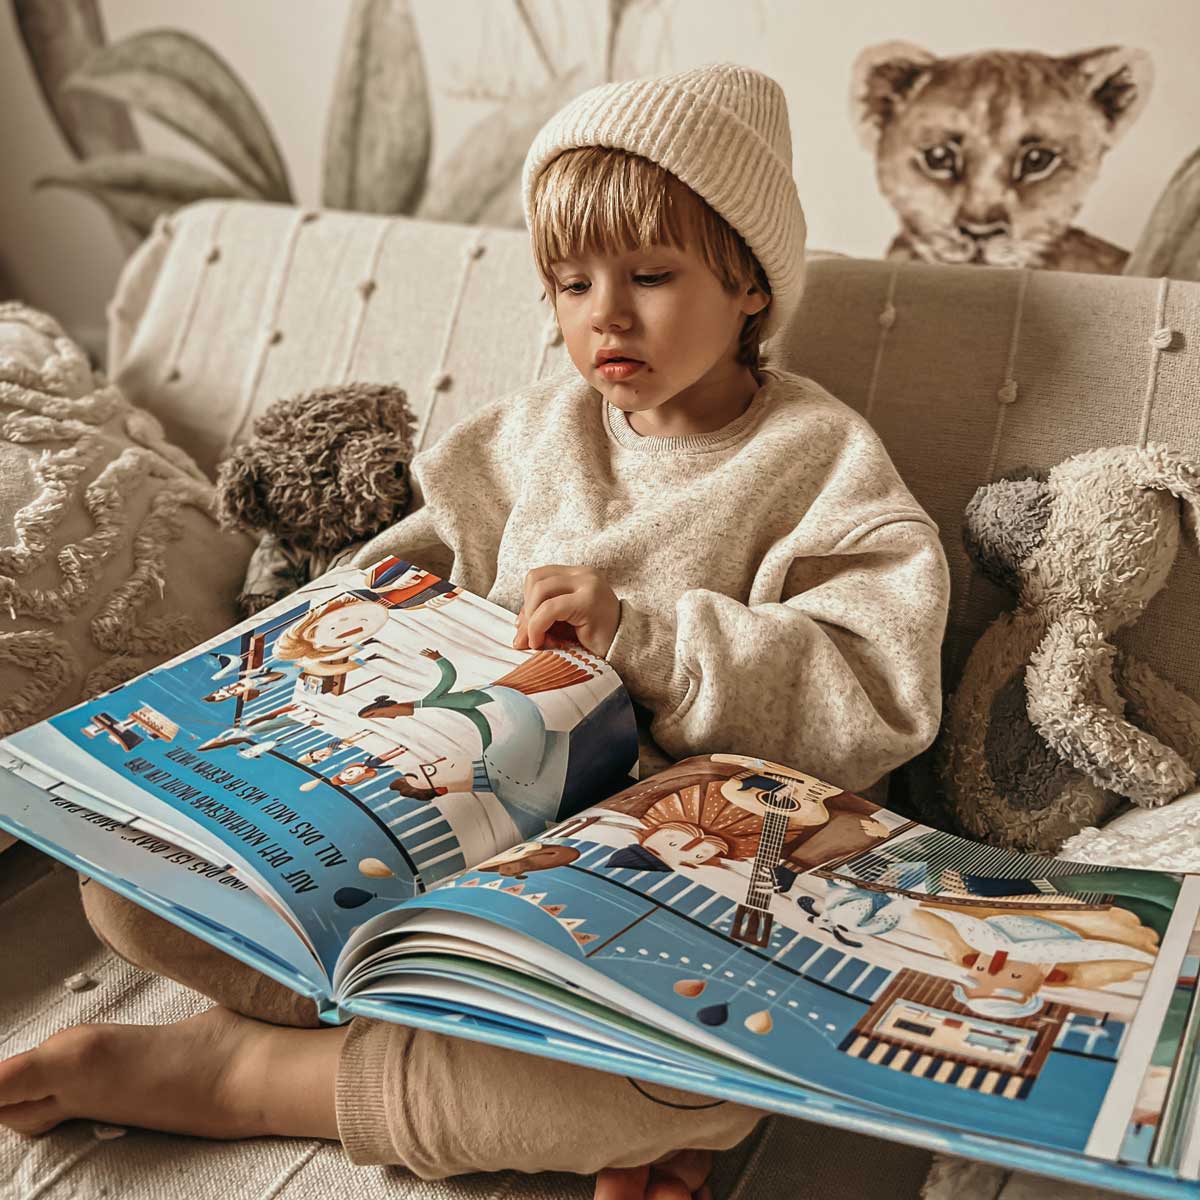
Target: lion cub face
{"type": "Point", "coordinates": [987, 157]}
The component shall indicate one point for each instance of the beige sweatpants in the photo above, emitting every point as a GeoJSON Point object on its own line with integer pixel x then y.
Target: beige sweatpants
{"type": "Point", "coordinates": [439, 1105]}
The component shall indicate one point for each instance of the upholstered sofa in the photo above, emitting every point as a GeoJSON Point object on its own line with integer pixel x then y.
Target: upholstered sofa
{"type": "Point", "coordinates": [966, 373]}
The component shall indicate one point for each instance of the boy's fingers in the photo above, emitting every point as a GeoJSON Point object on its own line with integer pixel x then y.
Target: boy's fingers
{"type": "Point", "coordinates": [667, 1189]}
{"type": "Point", "coordinates": [555, 609]}
{"type": "Point", "coordinates": [538, 590]}
{"type": "Point", "coordinates": [621, 1183]}
{"type": "Point", "coordinates": [690, 1167]}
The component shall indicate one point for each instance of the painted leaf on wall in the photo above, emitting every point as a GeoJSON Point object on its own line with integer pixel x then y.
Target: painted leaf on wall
{"type": "Point", "coordinates": [59, 35]}
{"type": "Point", "coordinates": [377, 141]}
{"type": "Point", "coordinates": [138, 188]}
{"type": "Point", "coordinates": [489, 158]}
{"type": "Point", "coordinates": [183, 83]}
{"type": "Point", "coordinates": [1170, 243]}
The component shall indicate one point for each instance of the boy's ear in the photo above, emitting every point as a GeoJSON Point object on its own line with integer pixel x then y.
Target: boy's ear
{"type": "Point", "coordinates": [754, 301]}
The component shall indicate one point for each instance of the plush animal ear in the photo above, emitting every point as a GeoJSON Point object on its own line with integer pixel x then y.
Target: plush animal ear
{"type": "Point", "coordinates": [241, 490]}
{"type": "Point", "coordinates": [1004, 525]}
{"type": "Point", "coordinates": [883, 79]}
{"type": "Point", "coordinates": [1116, 79]}
{"type": "Point", "coordinates": [1164, 469]}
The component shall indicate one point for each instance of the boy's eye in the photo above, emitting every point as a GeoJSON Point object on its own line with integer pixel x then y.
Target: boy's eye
{"type": "Point", "coordinates": [646, 280]}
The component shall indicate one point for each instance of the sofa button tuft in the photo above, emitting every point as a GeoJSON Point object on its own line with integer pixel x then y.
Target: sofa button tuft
{"type": "Point", "coordinates": [1162, 339]}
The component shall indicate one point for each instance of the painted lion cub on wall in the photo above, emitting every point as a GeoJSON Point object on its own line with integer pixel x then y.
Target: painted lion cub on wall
{"type": "Point", "coordinates": [987, 157]}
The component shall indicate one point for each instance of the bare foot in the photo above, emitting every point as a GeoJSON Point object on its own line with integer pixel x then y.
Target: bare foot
{"type": "Point", "coordinates": [679, 1176]}
{"type": "Point", "coordinates": [216, 1075]}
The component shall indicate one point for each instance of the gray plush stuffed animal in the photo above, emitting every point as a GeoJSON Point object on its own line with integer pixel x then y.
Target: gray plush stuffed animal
{"type": "Point", "coordinates": [323, 471]}
{"type": "Point", "coordinates": [1051, 726]}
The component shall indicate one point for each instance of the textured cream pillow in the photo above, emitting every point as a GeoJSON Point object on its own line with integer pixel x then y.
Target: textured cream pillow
{"type": "Point", "coordinates": [110, 559]}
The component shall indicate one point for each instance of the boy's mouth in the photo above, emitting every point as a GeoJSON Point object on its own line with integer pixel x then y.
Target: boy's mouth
{"type": "Point", "coordinates": [619, 368]}
{"type": "Point", "coordinates": [612, 354]}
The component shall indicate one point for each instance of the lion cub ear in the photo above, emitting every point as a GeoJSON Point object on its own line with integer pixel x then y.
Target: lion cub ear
{"type": "Point", "coordinates": [882, 80]}
{"type": "Point", "coordinates": [1116, 79]}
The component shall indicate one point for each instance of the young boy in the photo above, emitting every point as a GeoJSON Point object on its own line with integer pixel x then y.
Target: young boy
{"type": "Point", "coordinates": [734, 540]}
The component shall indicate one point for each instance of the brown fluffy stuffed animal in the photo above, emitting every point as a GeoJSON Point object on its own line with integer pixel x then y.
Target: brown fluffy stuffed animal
{"type": "Point", "coordinates": [1051, 725]}
{"type": "Point", "coordinates": [323, 470]}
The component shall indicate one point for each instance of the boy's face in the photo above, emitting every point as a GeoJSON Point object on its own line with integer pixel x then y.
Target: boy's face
{"type": "Point", "coordinates": [665, 308]}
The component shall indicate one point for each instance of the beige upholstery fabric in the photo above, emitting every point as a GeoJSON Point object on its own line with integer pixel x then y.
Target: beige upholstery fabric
{"type": "Point", "coordinates": [926, 353]}
{"type": "Point", "coordinates": [110, 559]}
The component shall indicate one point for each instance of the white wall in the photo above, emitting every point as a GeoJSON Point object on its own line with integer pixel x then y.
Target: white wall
{"type": "Point", "coordinates": [59, 251]}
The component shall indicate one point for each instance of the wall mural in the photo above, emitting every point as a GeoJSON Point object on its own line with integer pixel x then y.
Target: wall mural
{"type": "Point", "coordinates": [1005, 147]}
{"type": "Point", "coordinates": [378, 134]}
{"type": "Point", "coordinates": [985, 157]}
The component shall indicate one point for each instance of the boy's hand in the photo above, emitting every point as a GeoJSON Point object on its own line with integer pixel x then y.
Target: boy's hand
{"type": "Point", "coordinates": [680, 1176]}
{"type": "Point", "coordinates": [576, 599]}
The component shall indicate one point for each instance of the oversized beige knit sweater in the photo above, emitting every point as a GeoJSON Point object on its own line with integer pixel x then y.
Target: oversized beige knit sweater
{"type": "Point", "coordinates": [782, 593]}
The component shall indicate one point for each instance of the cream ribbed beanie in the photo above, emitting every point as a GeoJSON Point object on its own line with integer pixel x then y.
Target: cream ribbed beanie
{"type": "Point", "coordinates": [722, 129]}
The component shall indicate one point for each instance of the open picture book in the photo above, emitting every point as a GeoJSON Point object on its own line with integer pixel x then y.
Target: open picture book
{"type": "Point", "coordinates": [367, 794]}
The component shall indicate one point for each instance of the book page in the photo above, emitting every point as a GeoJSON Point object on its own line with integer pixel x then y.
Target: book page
{"type": "Point", "coordinates": [214, 900]}
{"type": "Point", "coordinates": [352, 744]}
{"type": "Point", "coordinates": [834, 943]}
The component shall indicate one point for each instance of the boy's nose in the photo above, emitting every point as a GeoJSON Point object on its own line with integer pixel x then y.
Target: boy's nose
{"type": "Point", "coordinates": [609, 312]}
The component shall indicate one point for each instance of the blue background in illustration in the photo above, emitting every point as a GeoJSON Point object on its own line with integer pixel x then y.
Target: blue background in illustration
{"type": "Point", "coordinates": [351, 832]}
{"type": "Point", "coordinates": [322, 883]}
{"type": "Point", "coordinates": [814, 992]}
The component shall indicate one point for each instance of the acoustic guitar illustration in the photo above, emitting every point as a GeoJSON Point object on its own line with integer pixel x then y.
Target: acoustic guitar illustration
{"type": "Point", "coordinates": [783, 798]}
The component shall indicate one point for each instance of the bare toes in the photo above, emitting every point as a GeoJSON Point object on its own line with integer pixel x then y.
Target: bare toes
{"type": "Point", "coordinates": [32, 1117]}
{"type": "Point", "coordinates": [22, 1079]}
{"type": "Point", "coordinates": [36, 1087]}
{"type": "Point", "coordinates": [27, 1104]}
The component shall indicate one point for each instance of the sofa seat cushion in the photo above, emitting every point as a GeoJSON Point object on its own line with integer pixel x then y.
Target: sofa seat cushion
{"type": "Point", "coordinates": [110, 558]}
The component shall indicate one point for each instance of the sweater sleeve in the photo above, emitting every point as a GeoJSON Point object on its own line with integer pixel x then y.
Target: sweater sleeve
{"type": "Point", "coordinates": [840, 677]}
{"type": "Point", "coordinates": [462, 496]}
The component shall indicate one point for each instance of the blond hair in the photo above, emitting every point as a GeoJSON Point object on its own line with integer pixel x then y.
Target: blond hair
{"type": "Point", "coordinates": [694, 834]}
{"type": "Point", "coordinates": [601, 200]}
{"type": "Point", "coordinates": [296, 644]}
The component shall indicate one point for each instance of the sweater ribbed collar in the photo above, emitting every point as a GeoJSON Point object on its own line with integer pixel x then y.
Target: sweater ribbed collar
{"type": "Point", "coordinates": [619, 429]}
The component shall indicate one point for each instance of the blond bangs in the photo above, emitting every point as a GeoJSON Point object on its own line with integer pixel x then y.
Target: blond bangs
{"type": "Point", "coordinates": [596, 200]}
